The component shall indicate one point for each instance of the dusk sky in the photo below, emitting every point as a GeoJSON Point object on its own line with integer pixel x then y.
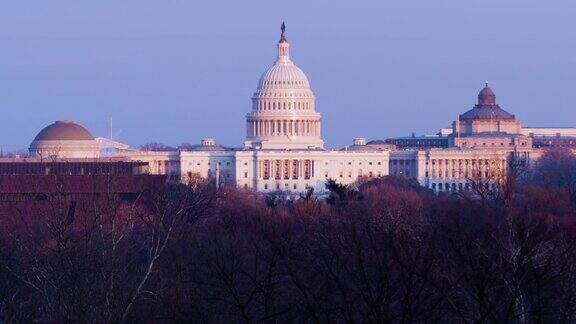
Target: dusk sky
{"type": "Point", "coordinates": [177, 71]}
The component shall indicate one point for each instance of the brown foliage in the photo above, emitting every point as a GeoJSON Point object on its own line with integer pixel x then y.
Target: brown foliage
{"type": "Point", "coordinates": [384, 251]}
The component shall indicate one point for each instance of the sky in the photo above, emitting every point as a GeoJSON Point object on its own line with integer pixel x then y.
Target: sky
{"type": "Point", "coordinates": [176, 71]}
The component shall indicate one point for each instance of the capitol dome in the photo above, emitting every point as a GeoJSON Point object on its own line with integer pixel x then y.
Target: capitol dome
{"type": "Point", "coordinates": [283, 112]}
{"type": "Point", "coordinates": [64, 139]}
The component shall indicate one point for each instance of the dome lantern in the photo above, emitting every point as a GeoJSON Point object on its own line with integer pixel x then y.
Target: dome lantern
{"type": "Point", "coordinates": [487, 96]}
{"type": "Point", "coordinates": [283, 48]}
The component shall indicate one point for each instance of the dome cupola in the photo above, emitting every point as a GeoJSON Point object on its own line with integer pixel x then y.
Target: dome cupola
{"type": "Point", "coordinates": [486, 117]}
{"type": "Point", "coordinates": [487, 108]}
{"type": "Point", "coordinates": [486, 96]}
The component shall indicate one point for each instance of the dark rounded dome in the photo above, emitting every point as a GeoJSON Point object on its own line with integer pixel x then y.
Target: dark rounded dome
{"type": "Point", "coordinates": [487, 112]}
{"type": "Point", "coordinates": [486, 96]}
{"type": "Point", "coordinates": [64, 131]}
{"type": "Point", "coordinates": [487, 107]}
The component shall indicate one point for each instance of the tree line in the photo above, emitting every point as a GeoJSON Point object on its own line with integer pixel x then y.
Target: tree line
{"type": "Point", "coordinates": [383, 250]}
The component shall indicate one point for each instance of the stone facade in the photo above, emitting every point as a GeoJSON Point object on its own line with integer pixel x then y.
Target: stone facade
{"type": "Point", "coordinates": [284, 150]}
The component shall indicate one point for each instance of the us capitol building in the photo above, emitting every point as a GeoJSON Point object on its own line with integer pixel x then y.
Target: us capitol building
{"type": "Point", "coordinates": [284, 150]}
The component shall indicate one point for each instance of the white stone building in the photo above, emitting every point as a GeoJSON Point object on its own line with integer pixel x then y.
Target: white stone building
{"type": "Point", "coordinates": [284, 150]}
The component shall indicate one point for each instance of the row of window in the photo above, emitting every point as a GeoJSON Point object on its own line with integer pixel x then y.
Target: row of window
{"type": "Point", "coordinates": [461, 174]}
{"type": "Point", "coordinates": [402, 162]}
{"type": "Point", "coordinates": [284, 94]}
{"type": "Point", "coordinates": [464, 144]}
{"type": "Point", "coordinates": [359, 163]}
{"type": "Point", "coordinates": [285, 82]}
{"type": "Point", "coordinates": [454, 187]}
{"type": "Point", "coordinates": [266, 105]}
{"type": "Point", "coordinates": [279, 187]}
{"type": "Point", "coordinates": [209, 163]}
{"type": "Point", "coordinates": [341, 174]}
{"type": "Point", "coordinates": [453, 162]}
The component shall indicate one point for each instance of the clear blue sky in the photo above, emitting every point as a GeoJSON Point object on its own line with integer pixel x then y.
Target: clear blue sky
{"type": "Point", "coordinates": [175, 71]}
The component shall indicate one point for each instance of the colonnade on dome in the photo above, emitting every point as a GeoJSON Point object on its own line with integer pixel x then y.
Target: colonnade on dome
{"type": "Point", "coordinates": [282, 127]}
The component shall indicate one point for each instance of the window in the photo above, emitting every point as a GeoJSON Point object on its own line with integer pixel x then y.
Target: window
{"type": "Point", "coordinates": [286, 174]}
{"type": "Point", "coordinates": [245, 186]}
{"type": "Point", "coordinates": [295, 187]}
{"type": "Point", "coordinates": [245, 174]}
{"type": "Point", "coordinates": [266, 186]}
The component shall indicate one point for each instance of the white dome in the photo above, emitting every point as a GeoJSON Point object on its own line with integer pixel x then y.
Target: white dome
{"type": "Point", "coordinates": [283, 76]}
{"type": "Point", "coordinates": [283, 112]}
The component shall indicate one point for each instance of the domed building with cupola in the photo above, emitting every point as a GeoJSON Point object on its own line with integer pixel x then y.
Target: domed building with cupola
{"type": "Point", "coordinates": [488, 125]}
{"type": "Point", "coordinates": [283, 112]}
{"type": "Point", "coordinates": [64, 139]}
{"type": "Point", "coordinates": [284, 151]}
